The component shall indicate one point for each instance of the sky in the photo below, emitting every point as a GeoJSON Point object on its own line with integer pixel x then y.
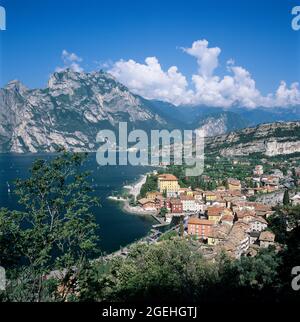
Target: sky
{"type": "Point", "coordinates": [209, 52]}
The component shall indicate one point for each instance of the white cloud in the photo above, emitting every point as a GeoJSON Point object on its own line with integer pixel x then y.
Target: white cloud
{"type": "Point", "coordinates": [207, 58]}
{"type": "Point", "coordinates": [207, 88]}
{"type": "Point", "coordinates": [150, 81]}
{"type": "Point", "coordinates": [288, 96]}
{"type": "Point", "coordinates": [71, 61]}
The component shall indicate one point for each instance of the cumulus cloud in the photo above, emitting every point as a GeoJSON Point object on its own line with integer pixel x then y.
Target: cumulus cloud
{"type": "Point", "coordinates": [207, 58]}
{"type": "Point", "coordinates": [288, 96]}
{"type": "Point", "coordinates": [205, 87]}
{"type": "Point", "coordinates": [71, 61]}
{"type": "Point", "coordinates": [150, 81]}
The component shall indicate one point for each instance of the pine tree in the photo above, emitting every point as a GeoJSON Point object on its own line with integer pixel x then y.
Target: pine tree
{"type": "Point", "coordinates": [286, 198]}
{"type": "Point", "coordinates": [181, 227]}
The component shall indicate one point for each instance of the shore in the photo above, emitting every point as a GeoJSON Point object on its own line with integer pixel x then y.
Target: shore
{"type": "Point", "coordinates": [133, 190]}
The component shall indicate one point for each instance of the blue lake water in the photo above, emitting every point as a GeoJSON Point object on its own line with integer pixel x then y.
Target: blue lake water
{"type": "Point", "coordinates": [116, 228]}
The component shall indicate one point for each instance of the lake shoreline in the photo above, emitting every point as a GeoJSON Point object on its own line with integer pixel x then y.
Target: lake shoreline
{"type": "Point", "coordinates": [133, 190]}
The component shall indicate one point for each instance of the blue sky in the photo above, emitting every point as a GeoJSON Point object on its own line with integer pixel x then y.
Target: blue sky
{"type": "Point", "coordinates": [256, 34]}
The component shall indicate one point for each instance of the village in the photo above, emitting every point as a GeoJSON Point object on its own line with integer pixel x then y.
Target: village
{"type": "Point", "coordinates": [223, 219]}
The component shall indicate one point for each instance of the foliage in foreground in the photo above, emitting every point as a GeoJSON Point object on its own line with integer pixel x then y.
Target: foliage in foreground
{"type": "Point", "coordinates": [172, 272]}
{"type": "Point", "coordinates": [55, 231]}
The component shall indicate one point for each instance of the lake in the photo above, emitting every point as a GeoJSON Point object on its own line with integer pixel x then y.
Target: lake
{"type": "Point", "coordinates": [116, 228]}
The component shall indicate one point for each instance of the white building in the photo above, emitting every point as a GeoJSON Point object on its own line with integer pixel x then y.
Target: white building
{"type": "Point", "coordinates": [258, 224]}
{"type": "Point", "coordinates": [189, 204]}
{"type": "Point", "coordinates": [296, 200]}
{"type": "Point", "coordinates": [259, 170]}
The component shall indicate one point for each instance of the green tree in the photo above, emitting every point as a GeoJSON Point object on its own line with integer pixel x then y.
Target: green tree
{"type": "Point", "coordinates": [149, 185]}
{"type": "Point", "coordinates": [163, 211]}
{"type": "Point", "coordinates": [58, 230]}
{"type": "Point", "coordinates": [286, 198]}
{"type": "Point", "coordinates": [181, 227]}
{"type": "Point", "coordinates": [10, 235]}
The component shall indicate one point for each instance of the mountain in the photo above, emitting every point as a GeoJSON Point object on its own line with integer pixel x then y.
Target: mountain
{"type": "Point", "coordinates": [214, 121]}
{"type": "Point", "coordinates": [270, 139]}
{"type": "Point", "coordinates": [69, 112]}
{"type": "Point", "coordinates": [261, 115]}
{"type": "Point", "coordinates": [74, 106]}
{"type": "Point", "coordinates": [218, 123]}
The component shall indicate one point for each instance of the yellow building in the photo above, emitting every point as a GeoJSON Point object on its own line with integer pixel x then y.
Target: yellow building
{"type": "Point", "coordinates": [151, 195]}
{"type": "Point", "coordinates": [215, 213]}
{"type": "Point", "coordinates": [211, 241]}
{"type": "Point", "coordinates": [190, 193]}
{"type": "Point", "coordinates": [168, 183]}
{"type": "Point", "coordinates": [234, 184]}
{"type": "Point", "coordinates": [210, 196]}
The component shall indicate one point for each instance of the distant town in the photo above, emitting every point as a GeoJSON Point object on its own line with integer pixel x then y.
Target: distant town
{"type": "Point", "coordinates": [222, 214]}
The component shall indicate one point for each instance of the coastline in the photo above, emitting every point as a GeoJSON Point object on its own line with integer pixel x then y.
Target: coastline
{"type": "Point", "coordinates": [134, 190]}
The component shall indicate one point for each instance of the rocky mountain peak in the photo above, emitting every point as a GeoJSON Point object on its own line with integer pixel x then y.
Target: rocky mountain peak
{"type": "Point", "coordinates": [16, 85]}
{"type": "Point", "coordinates": [69, 112]}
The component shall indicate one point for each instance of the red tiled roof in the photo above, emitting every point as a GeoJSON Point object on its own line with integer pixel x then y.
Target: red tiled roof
{"type": "Point", "coordinates": [215, 211]}
{"type": "Point", "coordinates": [197, 221]}
{"type": "Point", "coordinates": [167, 177]}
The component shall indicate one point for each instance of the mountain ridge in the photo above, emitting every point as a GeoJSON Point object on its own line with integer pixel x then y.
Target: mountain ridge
{"type": "Point", "coordinates": [269, 139]}
{"type": "Point", "coordinates": [74, 106]}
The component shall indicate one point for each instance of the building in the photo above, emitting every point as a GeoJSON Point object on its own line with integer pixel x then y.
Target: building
{"type": "Point", "coordinates": [227, 219]}
{"type": "Point", "coordinates": [262, 209]}
{"type": "Point", "coordinates": [258, 170]}
{"type": "Point", "coordinates": [147, 204]}
{"type": "Point", "coordinates": [254, 235]}
{"type": "Point", "coordinates": [210, 196]}
{"type": "Point", "coordinates": [266, 239]}
{"type": "Point", "coordinates": [183, 191]}
{"type": "Point", "coordinates": [297, 171]}
{"type": "Point", "coordinates": [218, 234]}
{"type": "Point", "coordinates": [296, 200]}
{"type": "Point", "coordinates": [234, 184]}
{"type": "Point", "coordinates": [188, 203]}
{"type": "Point", "coordinates": [250, 192]}
{"type": "Point", "coordinates": [199, 206]}
{"type": "Point", "coordinates": [159, 202]}
{"type": "Point", "coordinates": [176, 206]}
{"type": "Point", "coordinates": [201, 228]}
{"type": "Point", "coordinates": [245, 215]}
{"type": "Point", "coordinates": [152, 195]}
{"type": "Point", "coordinates": [258, 224]}
{"type": "Point", "coordinates": [198, 196]}
{"type": "Point", "coordinates": [219, 202]}
{"type": "Point", "coordinates": [214, 213]}
{"type": "Point", "coordinates": [168, 183]}
{"type": "Point", "coordinates": [239, 238]}
{"type": "Point", "coordinates": [272, 182]}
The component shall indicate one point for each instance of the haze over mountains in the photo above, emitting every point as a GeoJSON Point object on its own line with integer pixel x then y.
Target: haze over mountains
{"type": "Point", "coordinates": [75, 106]}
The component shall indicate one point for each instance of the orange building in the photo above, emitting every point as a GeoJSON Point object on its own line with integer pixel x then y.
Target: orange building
{"type": "Point", "coordinates": [201, 228]}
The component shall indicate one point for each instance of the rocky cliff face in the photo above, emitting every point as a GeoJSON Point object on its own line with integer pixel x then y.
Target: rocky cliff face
{"type": "Point", "coordinates": [72, 109]}
{"type": "Point", "coordinates": [219, 123]}
{"type": "Point", "coordinates": [268, 139]}
{"type": "Point", "coordinates": [69, 112]}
